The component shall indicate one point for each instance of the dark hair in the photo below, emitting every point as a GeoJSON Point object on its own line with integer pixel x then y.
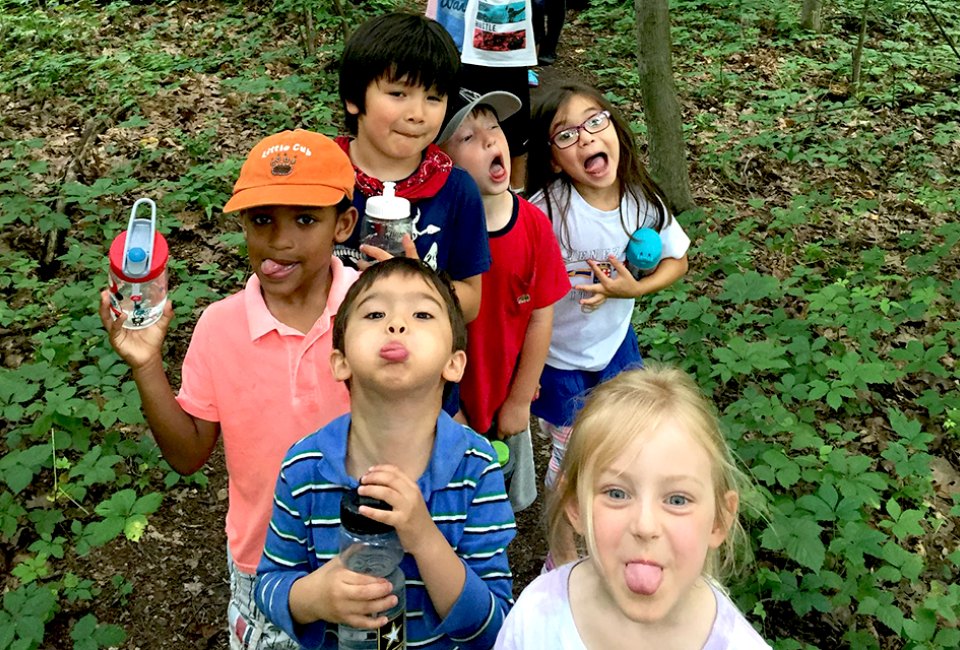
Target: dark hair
{"type": "Point", "coordinates": [631, 174]}
{"type": "Point", "coordinates": [397, 45]}
{"type": "Point", "coordinates": [410, 268]}
{"type": "Point", "coordinates": [345, 204]}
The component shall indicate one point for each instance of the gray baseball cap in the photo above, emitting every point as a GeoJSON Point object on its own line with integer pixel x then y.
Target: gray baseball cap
{"type": "Point", "coordinates": [461, 105]}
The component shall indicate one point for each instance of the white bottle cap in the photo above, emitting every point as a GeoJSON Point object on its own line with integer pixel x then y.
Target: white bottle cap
{"type": "Point", "coordinates": [388, 206]}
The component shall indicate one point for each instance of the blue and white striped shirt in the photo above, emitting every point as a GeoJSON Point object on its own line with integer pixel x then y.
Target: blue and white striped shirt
{"type": "Point", "coordinates": [464, 492]}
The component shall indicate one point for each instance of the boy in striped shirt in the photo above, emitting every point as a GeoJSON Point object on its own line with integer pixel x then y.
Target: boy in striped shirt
{"type": "Point", "coordinates": [398, 339]}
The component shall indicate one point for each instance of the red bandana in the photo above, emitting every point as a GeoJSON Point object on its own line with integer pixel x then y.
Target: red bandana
{"type": "Point", "coordinates": [425, 182]}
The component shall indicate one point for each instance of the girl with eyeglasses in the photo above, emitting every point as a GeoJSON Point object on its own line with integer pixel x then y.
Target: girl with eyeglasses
{"type": "Point", "coordinates": [589, 180]}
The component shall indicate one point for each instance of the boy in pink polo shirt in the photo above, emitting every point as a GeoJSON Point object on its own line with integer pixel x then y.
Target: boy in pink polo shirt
{"type": "Point", "coordinates": [257, 370]}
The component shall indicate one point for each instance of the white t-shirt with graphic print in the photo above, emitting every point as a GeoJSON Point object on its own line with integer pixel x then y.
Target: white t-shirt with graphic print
{"type": "Point", "coordinates": [588, 340]}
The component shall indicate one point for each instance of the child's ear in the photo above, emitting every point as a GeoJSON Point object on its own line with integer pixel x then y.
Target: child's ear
{"type": "Point", "coordinates": [554, 166]}
{"type": "Point", "coordinates": [346, 222]}
{"type": "Point", "coordinates": [453, 371]}
{"type": "Point", "coordinates": [339, 366]}
{"type": "Point", "coordinates": [721, 526]}
{"type": "Point", "coordinates": [352, 108]}
{"type": "Point", "coordinates": [572, 510]}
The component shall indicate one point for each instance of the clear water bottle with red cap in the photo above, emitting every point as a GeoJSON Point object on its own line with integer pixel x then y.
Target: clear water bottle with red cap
{"type": "Point", "coordinates": [138, 270]}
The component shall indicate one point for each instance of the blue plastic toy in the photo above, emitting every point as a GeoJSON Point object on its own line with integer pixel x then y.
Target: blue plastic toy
{"type": "Point", "coordinates": [644, 249]}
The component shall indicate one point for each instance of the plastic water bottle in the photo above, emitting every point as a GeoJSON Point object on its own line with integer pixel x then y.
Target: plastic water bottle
{"type": "Point", "coordinates": [386, 220]}
{"type": "Point", "coordinates": [644, 251]}
{"type": "Point", "coordinates": [373, 548]}
{"type": "Point", "coordinates": [138, 270]}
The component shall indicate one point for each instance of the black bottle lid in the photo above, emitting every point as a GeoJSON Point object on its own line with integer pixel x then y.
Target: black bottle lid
{"type": "Point", "coordinates": [353, 521]}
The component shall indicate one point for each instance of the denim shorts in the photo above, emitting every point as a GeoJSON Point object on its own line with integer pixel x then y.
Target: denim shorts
{"type": "Point", "coordinates": [562, 392]}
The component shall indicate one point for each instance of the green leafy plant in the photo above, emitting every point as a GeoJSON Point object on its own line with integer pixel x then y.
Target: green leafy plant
{"type": "Point", "coordinates": [820, 312]}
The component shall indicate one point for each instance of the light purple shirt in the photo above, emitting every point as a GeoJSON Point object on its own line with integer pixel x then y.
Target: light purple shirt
{"type": "Point", "coordinates": [542, 619]}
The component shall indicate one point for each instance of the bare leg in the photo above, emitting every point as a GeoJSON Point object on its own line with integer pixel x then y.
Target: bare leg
{"type": "Point", "coordinates": [564, 548]}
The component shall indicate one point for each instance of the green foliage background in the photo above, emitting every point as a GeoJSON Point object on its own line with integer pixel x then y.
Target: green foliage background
{"type": "Point", "coordinates": [820, 312]}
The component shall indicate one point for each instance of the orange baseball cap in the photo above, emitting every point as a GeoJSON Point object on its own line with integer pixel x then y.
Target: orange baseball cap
{"type": "Point", "coordinates": [293, 168]}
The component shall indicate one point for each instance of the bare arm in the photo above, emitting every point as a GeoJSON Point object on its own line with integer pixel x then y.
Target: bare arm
{"type": "Point", "coordinates": [186, 442]}
{"type": "Point", "coordinates": [624, 285]}
{"type": "Point", "coordinates": [468, 293]}
{"type": "Point", "coordinates": [514, 415]}
{"type": "Point", "coordinates": [667, 272]}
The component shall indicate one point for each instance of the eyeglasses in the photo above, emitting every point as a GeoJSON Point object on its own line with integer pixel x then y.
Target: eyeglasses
{"type": "Point", "coordinates": [569, 137]}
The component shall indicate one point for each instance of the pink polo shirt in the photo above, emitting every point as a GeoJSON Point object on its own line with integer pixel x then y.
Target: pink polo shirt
{"type": "Point", "coordinates": [268, 385]}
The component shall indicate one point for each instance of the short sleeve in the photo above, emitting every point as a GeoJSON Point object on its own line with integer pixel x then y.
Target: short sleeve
{"type": "Point", "coordinates": [197, 395]}
{"type": "Point", "coordinates": [674, 240]}
{"type": "Point", "coordinates": [551, 282]}
{"type": "Point", "coordinates": [467, 249]}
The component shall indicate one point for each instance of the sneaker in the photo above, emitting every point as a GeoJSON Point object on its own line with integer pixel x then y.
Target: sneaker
{"type": "Point", "coordinates": [532, 79]}
{"type": "Point", "coordinates": [547, 59]}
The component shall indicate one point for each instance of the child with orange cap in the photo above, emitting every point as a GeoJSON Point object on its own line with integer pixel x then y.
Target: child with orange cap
{"type": "Point", "coordinates": [258, 367]}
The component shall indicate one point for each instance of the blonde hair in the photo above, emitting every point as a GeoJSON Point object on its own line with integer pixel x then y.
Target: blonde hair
{"type": "Point", "coordinates": [631, 405]}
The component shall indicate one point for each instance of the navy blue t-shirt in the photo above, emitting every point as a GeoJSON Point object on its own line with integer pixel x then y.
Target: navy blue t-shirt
{"type": "Point", "coordinates": [449, 229]}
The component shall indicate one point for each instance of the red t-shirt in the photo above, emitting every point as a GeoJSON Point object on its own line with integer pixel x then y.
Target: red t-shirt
{"type": "Point", "coordinates": [527, 273]}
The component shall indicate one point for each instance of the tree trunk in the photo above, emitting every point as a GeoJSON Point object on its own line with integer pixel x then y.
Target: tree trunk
{"type": "Point", "coordinates": [857, 64]}
{"type": "Point", "coordinates": [309, 32]}
{"type": "Point", "coordinates": [810, 15]}
{"type": "Point", "coordinates": [661, 108]}
{"type": "Point", "coordinates": [344, 25]}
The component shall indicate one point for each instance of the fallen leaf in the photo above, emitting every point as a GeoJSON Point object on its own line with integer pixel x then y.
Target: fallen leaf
{"type": "Point", "coordinates": [946, 479]}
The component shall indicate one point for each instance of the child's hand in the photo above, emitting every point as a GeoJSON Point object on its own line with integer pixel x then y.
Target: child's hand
{"type": "Point", "coordinates": [335, 594]}
{"type": "Point", "coordinates": [137, 347]}
{"type": "Point", "coordinates": [513, 418]}
{"type": "Point", "coordinates": [622, 286]}
{"type": "Point", "coordinates": [379, 255]}
{"type": "Point", "coordinates": [592, 303]}
{"type": "Point", "coordinates": [409, 515]}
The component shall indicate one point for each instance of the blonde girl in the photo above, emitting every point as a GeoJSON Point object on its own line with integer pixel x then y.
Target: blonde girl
{"type": "Point", "coordinates": [585, 173]}
{"type": "Point", "coordinates": [649, 483]}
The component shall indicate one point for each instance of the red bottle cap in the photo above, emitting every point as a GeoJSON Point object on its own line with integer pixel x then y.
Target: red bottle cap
{"type": "Point", "coordinates": [158, 261]}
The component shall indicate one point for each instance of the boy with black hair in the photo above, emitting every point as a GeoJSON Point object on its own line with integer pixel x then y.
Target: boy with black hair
{"type": "Point", "coordinates": [508, 341]}
{"type": "Point", "coordinates": [398, 339]}
{"type": "Point", "coordinates": [257, 370]}
{"type": "Point", "coordinates": [396, 73]}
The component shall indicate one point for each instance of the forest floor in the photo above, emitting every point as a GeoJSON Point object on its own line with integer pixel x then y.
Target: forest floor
{"type": "Point", "coordinates": [175, 587]}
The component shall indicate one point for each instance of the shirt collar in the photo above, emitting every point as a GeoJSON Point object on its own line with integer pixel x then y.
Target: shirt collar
{"type": "Point", "coordinates": [449, 446]}
{"type": "Point", "coordinates": [261, 321]}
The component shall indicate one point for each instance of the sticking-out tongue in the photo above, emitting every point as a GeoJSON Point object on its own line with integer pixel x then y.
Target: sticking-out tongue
{"type": "Point", "coordinates": [271, 268]}
{"type": "Point", "coordinates": [596, 164]}
{"type": "Point", "coordinates": [643, 578]}
{"type": "Point", "coordinates": [496, 169]}
{"type": "Point", "coordinates": [394, 352]}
